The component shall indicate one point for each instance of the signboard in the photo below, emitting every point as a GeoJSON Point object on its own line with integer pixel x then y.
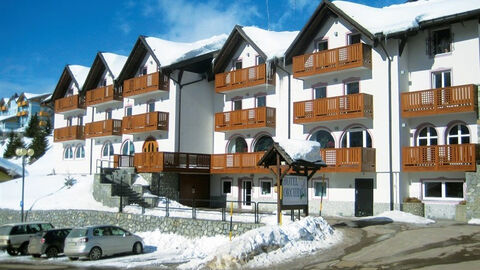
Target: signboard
{"type": "Point", "coordinates": [294, 190]}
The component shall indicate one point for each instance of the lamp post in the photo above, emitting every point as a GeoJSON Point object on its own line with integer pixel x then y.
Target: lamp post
{"type": "Point", "coordinates": [22, 152]}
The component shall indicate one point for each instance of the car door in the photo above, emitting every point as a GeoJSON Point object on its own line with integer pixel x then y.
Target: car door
{"type": "Point", "coordinates": [121, 239]}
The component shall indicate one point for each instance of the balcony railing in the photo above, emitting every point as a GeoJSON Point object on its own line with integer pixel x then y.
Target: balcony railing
{"type": "Point", "coordinates": [171, 162]}
{"type": "Point", "coordinates": [455, 157]}
{"type": "Point", "coordinates": [244, 119]}
{"type": "Point", "coordinates": [43, 114]}
{"type": "Point", "coordinates": [22, 103]}
{"type": "Point", "coordinates": [355, 159]}
{"type": "Point", "coordinates": [71, 133]}
{"type": "Point", "coordinates": [22, 113]}
{"type": "Point", "coordinates": [146, 84]}
{"type": "Point", "coordinates": [334, 108]}
{"type": "Point", "coordinates": [351, 56]}
{"type": "Point", "coordinates": [102, 95]}
{"type": "Point", "coordinates": [237, 163]}
{"type": "Point", "coordinates": [439, 101]}
{"type": "Point", "coordinates": [145, 122]}
{"type": "Point", "coordinates": [70, 103]}
{"type": "Point", "coordinates": [243, 78]}
{"type": "Point", "coordinates": [103, 128]}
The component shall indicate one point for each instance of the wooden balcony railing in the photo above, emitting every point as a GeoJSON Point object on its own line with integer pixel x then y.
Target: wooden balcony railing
{"type": "Point", "coordinates": [145, 122]}
{"type": "Point", "coordinates": [453, 99]}
{"type": "Point", "coordinates": [355, 159]}
{"type": "Point", "coordinates": [347, 57]}
{"type": "Point", "coordinates": [237, 163]}
{"type": "Point", "coordinates": [22, 103]}
{"type": "Point", "coordinates": [70, 103]}
{"type": "Point", "coordinates": [102, 95]}
{"type": "Point", "coordinates": [3, 108]}
{"type": "Point", "coordinates": [171, 162]}
{"type": "Point", "coordinates": [43, 114]}
{"type": "Point", "coordinates": [454, 157]}
{"type": "Point", "coordinates": [42, 123]}
{"type": "Point", "coordinates": [22, 113]}
{"type": "Point", "coordinates": [334, 108]}
{"type": "Point", "coordinates": [103, 128]}
{"type": "Point", "coordinates": [244, 119]}
{"type": "Point", "coordinates": [243, 78]}
{"type": "Point", "coordinates": [71, 133]}
{"type": "Point", "coordinates": [145, 84]}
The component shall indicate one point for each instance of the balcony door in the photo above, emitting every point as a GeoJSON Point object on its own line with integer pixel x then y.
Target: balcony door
{"type": "Point", "coordinates": [246, 193]}
{"type": "Point", "coordinates": [150, 145]}
{"type": "Point", "coordinates": [150, 148]}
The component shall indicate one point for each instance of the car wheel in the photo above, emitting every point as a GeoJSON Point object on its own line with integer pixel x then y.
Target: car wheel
{"type": "Point", "coordinates": [137, 248]}
{"type": "Point", "coordinates": [12, 252]}
{"type": "Point", "coordinates": [95, 254]}
{"type": "Point", "coordinates": [73, 258]}
{"type": "Point", "coordinates": [23, 249]}
{"type": "Point", "coordinates": [51, 252]}
{"type": "Point", "coordinates": [36, 255]}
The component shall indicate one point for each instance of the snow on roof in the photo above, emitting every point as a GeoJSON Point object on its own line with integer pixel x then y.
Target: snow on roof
{"type": "Point", "coordinates": [79, 73]}
{"type": "Point", "coordinates": [5, 117]}
{"type": "Point", "coordinates": [302, 150]}
{"type": "Point", "coordinates": [401, 17]}
{"type": "Point", "coordinates": [115, 62]}
{"type": "Point", "coordinates": [170, 52]}
{"type": "Point", "coordinates": [273, 44]}
{"type": "Point", "coordinates": [32, 95]}
{"type": "Point", "coordinates": [10, 167]}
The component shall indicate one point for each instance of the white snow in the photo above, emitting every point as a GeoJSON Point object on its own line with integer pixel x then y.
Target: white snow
{"type": "Point", "coordinates": [79, 73]}
{"type": "Point", "coordinates": [10, 166]}
{"type": "Point", "coordinates": [170, 52]}
{"type": "Point", "coordinates": [140, 181]}
{"type": "Point", "coordinates": [402, 17]}
{"type": "Point", "coordinates": [474, 221]}
{"type": "Point", "coordinates": [399, 216]}
{"type": "Point", "coordinates": [273, 44]}
{"type": "Point", "coordinates": [302, 150]}
{"type": "Point", "coordinates": [29, 96]}
{"type": "Point", "coordinates": [115, 62]}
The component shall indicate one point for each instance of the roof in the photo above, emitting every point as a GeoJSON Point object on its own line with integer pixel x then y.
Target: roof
{"type": "Point", "coordinates": [79, 74]}
{"type": "Point", "coordinates": [75, 73]}
{"type": "Point", "coordinates": [110, 62]}
{"type": "Point", "coordinates": [6, 117]}
{"type": "Point", "coordinates": [29, 96]}
{"type": "Point", "coordinates": [114, 62]}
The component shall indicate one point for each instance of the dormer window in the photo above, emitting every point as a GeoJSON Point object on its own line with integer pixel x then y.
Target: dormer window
{"type": "Point", "coordinates": [354, 38]}
{"type": "Point", "coordinates": [259, 60]}
{"type": "Point", "coordinates": [321, 45]}
{"type": "Point", "coordinates": [144, 71]}
{"type": "Point", "coordinates": [238, 64]}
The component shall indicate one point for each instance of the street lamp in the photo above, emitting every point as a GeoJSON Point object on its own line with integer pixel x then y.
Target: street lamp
{"type": "Point", "coordinates": [22, 152]}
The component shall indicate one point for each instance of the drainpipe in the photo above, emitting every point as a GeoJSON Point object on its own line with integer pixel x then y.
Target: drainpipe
{"type": "Point", "coordinates": [289, 95]}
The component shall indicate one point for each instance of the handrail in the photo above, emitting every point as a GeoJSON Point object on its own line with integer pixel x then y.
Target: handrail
{"type": "Point", "coordinates": [69, 103]}
{"type": "Point", "coordinates": [242, 78]}
{"type": "Point", "coordinates": [244, 119]}
{"type": "Point", "coordinates": [145, 84]}
{"type": "Point", "coordinates": [453, 157]}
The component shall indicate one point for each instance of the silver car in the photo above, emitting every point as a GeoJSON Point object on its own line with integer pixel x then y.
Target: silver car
{"type": "Point", "coordinates": [94, 242]}
{"type": "Point", "coordinates": [14, 238]}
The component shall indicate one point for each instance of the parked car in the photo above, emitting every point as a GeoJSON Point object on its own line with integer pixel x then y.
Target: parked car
{"type": "Point", "coordinates": [50, 243]}
{"type": "Point", "coordinates": [15, 237]}
{"type": "Point", "coordinates": [94, 242]}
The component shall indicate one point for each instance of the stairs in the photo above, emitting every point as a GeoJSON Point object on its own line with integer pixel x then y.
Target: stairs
{"type": "Point", "coordinates": [128, 194]}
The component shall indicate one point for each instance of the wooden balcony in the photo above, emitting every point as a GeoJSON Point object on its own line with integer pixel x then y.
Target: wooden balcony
{"type": "Point", "coordinates": [42, 123]}
{"type": "Point", "coordinates": [352, 56]}
{"type": "Point", "coordinates": [237, 163]}
{"type": "Point", "coordinates": [260, 117]}
{"type": "Point", "coordinates": [102, 95]}
{"type": "Point", "coordinates": [150, 83]}
{"type": "Point", "coordinates": [69, 104]}
{"type": "Point", "coordinates": [3, 108]}
{"type": "Point", "coordinates": [354, 159]}
{"type": "Point", "coordinates": [243, 78]}
{"type": "Point", "coordinates": [43, 114]}
{"type": "Point", "coordinates": [334, 108]}
{"type": "Point", "coordinates": [453, 99]}
{"type": "Point", "coordinates": [72, 133]}
{"type": "Point", "coordinates": [171, 162]}
{"type": "Point", "coordinates": [145, 122]}
{"type": "Point", "coordinates": [22, 103]}
{"type": "Point", "coordinates": [22, 113]}
{"type": "Point", "coordinates": [103, 128]}
{"type": "Point", "coordinates": [455, 157]}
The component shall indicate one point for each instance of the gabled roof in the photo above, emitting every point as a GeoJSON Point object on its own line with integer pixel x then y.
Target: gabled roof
{"type": "Point", "coordinates": [75, 73]}
{"type": "Point", "coordinates": [30, 96]}
{"type": "Point", "coordinates": [268, 44]}
{"type": "Point", "coordinates": [111, 62]}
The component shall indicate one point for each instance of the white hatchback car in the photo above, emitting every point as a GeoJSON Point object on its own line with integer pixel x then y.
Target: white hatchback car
{"type": "Point", "coordinates": [94, 242]}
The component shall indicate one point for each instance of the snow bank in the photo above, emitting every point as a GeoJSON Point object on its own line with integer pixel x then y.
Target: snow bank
{"type": "Point", "coordinates": [273, 44]}
{"type": "Point", "coordinates": [474, 221]}
{"type": "Point", "coordinates": [115, 62]}
{"type": "Point", "coordinates": [399, 216]}
{"type": "Point", "coordinates": [302, 150]}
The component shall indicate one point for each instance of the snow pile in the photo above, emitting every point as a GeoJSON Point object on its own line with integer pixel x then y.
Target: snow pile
{"type": "Point", "coordinates": [474, 221]}
{"type": "Point", "coordinates": [79, 73]}
{"type": "Point", "coordinates": [402, 17]}
{"type": "Point", "coordinates": [399, 216]}
{"type": "Point", "coordinates": [115, 62]}
{"type": "Point", "coordinates": [302, 150]}
{"type": "Point", "coordinates": [273, 44]}
{"type": "Point", "coordinates": [140, 181]}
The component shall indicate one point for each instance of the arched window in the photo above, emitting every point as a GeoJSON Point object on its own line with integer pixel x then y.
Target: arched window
{"type": "Point", "coordinates": [107, 149]}
{"type": "Point", "coordinates": [427, 136]}
{"type": "Point", "coordinates": [458, 134]}
{"type": "Point", "coordinates": [237, 145]}
{"type": "Point", "coordinates": [68, 153]}
{"type": "Point", "coordinates": [80, 152]}
{"type": "Point", "coordinates": [128, 148]}
{"type": "Point", "coordinates": [263, 143]}
{"type": "Point", "coordinates": [356, 137]}
{"type": "Point", "coordinates": [324, 138]}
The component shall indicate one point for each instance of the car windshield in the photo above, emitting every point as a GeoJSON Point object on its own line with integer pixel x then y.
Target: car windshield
{"type": "Point", "coordinates": [77, 233]}
{"type": "Point", "coordinates": [5, 230]}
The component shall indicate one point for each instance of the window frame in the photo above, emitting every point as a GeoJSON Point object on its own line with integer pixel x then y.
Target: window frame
{"type": "Point", "coordinates": [231, 184]}
{"type": "Point", "coordinates": [68, 149]}
{"type": "Point", "coordinates": [443, 189]}
{"type": "Point", "coordinates": [321, 41]}
{"type": "Point", "coordinates": [237, 99]}
{"type": "Point", "coordinates": [263, 96]}
{"type": "Point", "coordinates": [77, 149]}
{"type": "Point", "coordinates": [350, 35]}
{"type": "Point", "coordinates": [319, 180]}
{"type": "Point", "coordinates": [265, 180]}
{"type": "Point", "coordinates": [459, 134]}
{"type": "Point", "coordinates": [433, 43]}
{"type": "Point", "coordinates": [442, 72]}
{"type": "Point", "coordinates": [429, 137]}
{"type": "Point", "coordinates": [103, 149]}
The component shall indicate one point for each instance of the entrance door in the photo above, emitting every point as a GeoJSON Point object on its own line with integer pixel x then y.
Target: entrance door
{"type": "Point", "coordinates": [246, 193]}
{"type": "Point", "coordinates": [363, 197]}
{"type": "Point", "coordinates": [150, 148]}
{"type": "Point", "coordinates": [150, 145]}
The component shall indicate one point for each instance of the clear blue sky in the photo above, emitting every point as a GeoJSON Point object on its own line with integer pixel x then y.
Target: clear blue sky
{"type": "Point", "coordinates": [40, 37]}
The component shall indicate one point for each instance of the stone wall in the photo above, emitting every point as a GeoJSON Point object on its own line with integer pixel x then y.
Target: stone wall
{"type": "Point", "coordinates": [135, 223]}
{"type": "Point", "coordinates": [163, 184]}
{"type": "Point", "coordinates": [473, 194]}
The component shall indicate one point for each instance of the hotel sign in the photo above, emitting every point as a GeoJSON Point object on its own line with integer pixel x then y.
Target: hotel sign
{"type": "Point", "coordinates": [294, 191]}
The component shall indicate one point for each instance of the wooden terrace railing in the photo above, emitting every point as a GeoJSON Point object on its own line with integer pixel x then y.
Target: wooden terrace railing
{"type": "Point", "coordinates": [334, 108]}
{"type": "Point", "coordinates": [146, 84]}
{"type": "Point", "coordinates": [243, 78]}
{"type": "Point", "coordinates": [237, 163]}
{"type": "Point", "coordinates": [104, 128]}
{"type": "Point", "coordinates": [71, 133]}
{"type": "Point", "coordinates": [145, 122]}
{"type": "Point", "coordinates": [354, 159]}
{"type": "Point", "coordinates": [453, 99]}
{"type": "Point", "coordinates": [244, 119]}
{"type": "Point", "coordinates": [70, 103]}
{"type": "Point", "coordinates": [454, 157]}
{"type": "Point", "coordinates": [171, 162]}
{"type": "Point", "coordinates": [102, 95]}
{"type": "Point", "coordinates": [347, 57]}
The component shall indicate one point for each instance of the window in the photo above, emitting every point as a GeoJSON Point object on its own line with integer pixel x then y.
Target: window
{"type": "Point", "coordinates": [320, 92]}
{"type": "Point", "coordinates": [68, 153]}
{"type": "Point", "coordinates": [354, 39]}
{"type": "Point", "coordinates": [259, 60]}
{"type": "Point", "coordinates": [80, 152]}
{"type": "Point", "coordinates": [128, 149]}
{"type": "Point", "coordinates": [427, 136]}
{"type": "Point", "coordinates": [352, 88]}
{"type": "Point", "coordinates": [441, 41]}
{"type": "Point", "coordinates": [107, 149]}
{"type": "Point", "coordinates": [151, 106]}
{"type": "Point", "coordinates": [321, 45]}
{"type": "Point", "coordinates": [108, 114]}
{"type": "Point", "coordinates": [69, 92]}
{"type": "Point", "coordinates": [324, 138]}
{"type": "Point", "coordinates": [263, 144]}
{"type": "Point", "coordinates": [227, 186]}
{"type": "Point", "coordinates": [319, 188]}
{"type": "Point", "coordinates": [237, 104]}
{"type": "Point", "coordinates": [237, 145]}
{"type": "Point", "coordinates": [80, 120]}
{"type": "Point", "coordinates": [238, 64]}
{"type": "Point", "coordinates": [128, 111]}
{"type": "Point", "coordinates": [104, 82]}
{"type": "Point", "coordinates": [441, 79]}
{"type": "Point", "coordinates": [266, 187]}
{"type": "Point", "coordinates": [261, 101]}
{"type": "Point", "coordinates": [69, 122]}
{"type": "Point", "coordinates": [458, 134]}
{"type": "Point", "coordinates": [443, 189]}
{"type": "Point", "coordinates": [144, 71]}
{"type": "Point", "coordinates": [356, 137]}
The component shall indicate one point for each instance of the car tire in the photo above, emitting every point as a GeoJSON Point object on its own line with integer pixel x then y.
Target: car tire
{"type": "Point", "coordinates": [12, 252]}
{"type": "Point", "coordinates": [36, 255]}
{"type": "Point", "coordinates": [95, 254]}
{"type": "Point", "coordinates": [51, 252]}
{"type": "Point", "coordinates": [73, 258]}
{"type": "Point", "coordinates": [137, 248]}
{"type": "Point", "coordinates": [23, 249]}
